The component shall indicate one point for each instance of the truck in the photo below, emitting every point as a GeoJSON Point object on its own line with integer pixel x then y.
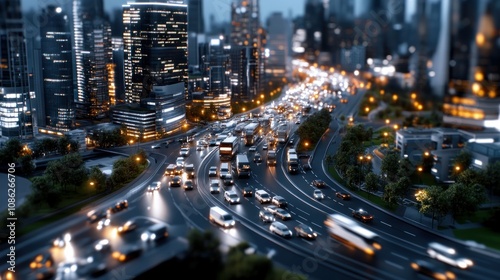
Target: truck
{"type": "Point", "coordinates": [189, 169]}
{"type": "Point", "coordinates": [170, 170]}
{"type": "Point", "coordinates": [293, 163]}
{"type": "Point", "coordinates": [282, 133]}
{"type": "Point", "coordinates": [271, 158]}
{"type": "Point", "coordinates": [243, 166]}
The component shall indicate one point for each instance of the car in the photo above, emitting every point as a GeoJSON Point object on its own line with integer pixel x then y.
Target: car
{"type": "Point", "coordinates": [119, 206]}
{"type": "Point", "coordinates": [180, 161]}
{"type": "Point", "coordinates": [184, 152]}
{"type": "Point", "coordinates": [362, 215]}
{"type": "Point", "coordinates": [271, 208]}
{"type": "Point", "coordinates": [200, 147]}
{"type": "Point", "coordinates": [247, 191]}
{"type": "Point", "coordinates": [97, 215]}
{"type": "Point", "coordinates": [282, 214]}
{"type": "Point", "coordinates": [214, 186]}
{"type": "Point", "coordinates": [228, 179]}
{"type": "Point", "coordinates": [448, 255]}
{"type": "Point", "coordinates": [280, 229]}
{"type": "Point", "coordinates": [434, 270]}
{"type": "Point", "coordinates": [157, 146]}
{"type": "Point", "coordinates": [175, 181]}
{"type": "Point", "coordinates": [103, 223]}
{"type": "Point", "coordinates": [212, 143]}
{"type": "Point", "coordinates": [297, 122]}
{"type": "Point", "coordinates": [155, 232]}
{"type": "Point", "coordinates": [212, 171]}
{"type": "Point", "coordinates": [264, 147]}
{"type": "Point", "coordinates": [305, 231]}
{"type": "Point", "coordinates": [62, 241]}
{"type": "Point", "coordinates": [126, 227]}
{"type": "Point", "coordinates": [232, 197]}
{"type": "Point", "coordinates": [266, 216]}
{"type": "Point", "coordinates": [262, 196]}
{"type": "Point", "coordinates": [155, 186]}
{"type": "Point", "coordinates": [318, 194]}
{"type": "Point", "coordinates": [126, 253]}
{"type": "Point", "coordinates": [318, 183]}
{"type": "Point", "coordinates": [279, 201]}
{"type": "Point", "coordinates": [188, 185]}
{"type": "Point", "coordinates": [343, 195]}
{"type": "Point", "coordinates": [42, 260]}
{"type": "Point", "coordinates": [291, 142]}
{"type": "Point", "coordinates": [102, 245]}
{"type": "Point", "coordinates": [252, 149]}
{"type": "Point", "coordinates": [257, 158]}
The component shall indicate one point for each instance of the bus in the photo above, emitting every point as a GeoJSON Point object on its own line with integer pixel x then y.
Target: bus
{"type": "Point", "coordinates": [242, 166]}
{"type": "Point", "coordinates": [228, 148]}
{"type": "Point", "coordinates": [252, 132]}
{"type": "Point", "coordinates": [349, 231]}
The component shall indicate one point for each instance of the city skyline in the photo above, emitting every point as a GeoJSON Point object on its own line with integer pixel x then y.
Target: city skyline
{"type": "Point", "coordinates": [221, 9]}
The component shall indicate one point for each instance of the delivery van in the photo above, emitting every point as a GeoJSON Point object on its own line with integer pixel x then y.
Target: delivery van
{"type": "Point", "coordinates": [220, 217]}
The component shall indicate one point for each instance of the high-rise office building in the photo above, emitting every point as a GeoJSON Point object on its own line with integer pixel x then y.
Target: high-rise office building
{"type": "Point", "coordinates": [57, 70]}
{"type": "Point", "coordinates": [247, 52]}
{"type": "Point", "coordinates": [93, 58]}
{"type": "Point", "coordinates": [15, 105]}
{"type": "Point", "coordinates": [473, 96]}
{"type": "Point", "coordinates": [196, 33]}
{"type": "Point", "coordinates": [155, 59]}
{"type": "Point", "coordinates": [314, 24]}
{"type": "Point", "coordinates": [278, 44]}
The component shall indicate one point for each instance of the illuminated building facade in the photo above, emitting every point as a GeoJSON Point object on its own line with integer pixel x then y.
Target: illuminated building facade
{"type": "Point", "coordinates": [473, 96]}
{"type": "Point", "coordinates": [155, 61]}
{"type": "Point", "coordinates": [247, 42]}
{"type": "Point", "coordinates": [57, 58]}
{"type": "Point", "coordinates": [93, 59]}
{"type": "Point", "coordinates": [15, 104]}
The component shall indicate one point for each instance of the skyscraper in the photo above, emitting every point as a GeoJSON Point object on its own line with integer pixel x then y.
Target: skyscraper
{"type": "Point", "coordinates": [93, 58]}
{"type": "Point", "coordinates": [278, 32]}
{"type": "Point", "coordinates": [246, 50]}
{"type": "Point", "coordinates": [155, 59]}
{"type": "Point", "coordinates": [473, 98]}
{"type": "Point", "coordinates": [196, 32]}
{"type": "Point", "coordinates": [57, 57]}
{"type": "Point", "coordinates": [15, 105]}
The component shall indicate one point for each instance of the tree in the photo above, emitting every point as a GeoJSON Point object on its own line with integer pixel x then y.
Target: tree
{"type": "Point", "coordinates": [390, 166]}
{"type": "Point", "coordinates": [204, 254]}
{"type": "Point", "coordinates": [68, 171]}
{"type": "Point", "coordinates": [465, 200]}
{"type": "Point", "coordinates": [27, 165]}
{"type": "Point", "coordinates": [405, 168]}
{"type": "Point", "coordinates": [491, 177]}
{"type": "Point", "coordinates": [433, 200]}
{"type": "Point", "coordinates": [391, 193]}
{"type": "Point", "coordinates": [371, 181]}
{"type": "Point", "coordinates": [461, 162]}
{"type": "Point", "coordinates": [11, 151]}
{"type": "Point", "coordinates": [97, 178]}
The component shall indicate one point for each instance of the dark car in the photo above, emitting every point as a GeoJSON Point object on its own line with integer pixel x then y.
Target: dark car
{"type": "Point", "coordinates": [266, 216]}
{"type": "Point", "coordinates": [119, 206]}
{"type": "Point", "coordinates": [282, 214]}
{"type": "Point", "coordinates": [97, 215]}
{"type": "Point", "coordinates": [318, 183]}
{"type": "Point", "coordinates": [247, 191]}
{"type": "Point", "coordinates": [176, 181]}
{"type": "Point", "coordinates": [432, 269]}
{"type": "Point", "coordinates": [188, 185]}
{"type": "Point", "coordinates": [305, 231]}
{"type": "Point", "coordinates": [343, 195]}
{"type": "Point", "coordinates": [257, 158]}
{"type": "Point", "coordinates": [362, 215]}
{"type": "Point", "coordinates": [279, 201]}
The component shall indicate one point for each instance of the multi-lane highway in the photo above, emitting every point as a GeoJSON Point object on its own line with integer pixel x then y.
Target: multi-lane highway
{"type": "Point", "coordinates": [181, 210]}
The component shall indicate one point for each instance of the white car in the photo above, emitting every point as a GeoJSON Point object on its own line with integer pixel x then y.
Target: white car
{"type": "Point", "coordinates": [180, 161]}
{"type": "Point", "coordinates": [184, 152]}
{"type": "Point", "coordinates": [212, 171]}
{"type": "Point", "coordinates": [448, 255]}
{"type": "Point", "coordinates": [280, 229]}
{"type": "Point", "coordinates": [232, 197]}
{"type": "Point", "coordinates": [318, 194]}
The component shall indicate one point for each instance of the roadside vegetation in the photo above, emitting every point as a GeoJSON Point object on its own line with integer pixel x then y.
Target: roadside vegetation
{"type": "Point", "coordinates": [311, 130]}
{"type": "Point", "coordinates": [462, 199]}
{"type": "Point", "coordinates": [65, 184]}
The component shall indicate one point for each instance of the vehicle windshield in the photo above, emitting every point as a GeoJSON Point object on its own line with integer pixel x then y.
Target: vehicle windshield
{"type": "Point", "coordinates": [227, 217]}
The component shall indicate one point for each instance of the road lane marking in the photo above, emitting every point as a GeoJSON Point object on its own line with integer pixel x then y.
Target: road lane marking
{"type": "Point", "coordinates": [301, 217]}
{"type": "Point", "coordinates": [341, 203]}
{"type": "Point", "coordinates": [386, 224]}
{"type": "Point", "coordinates": [395, 264]}
{"type": "Point", "coordinates": [303, 211]}
{"type": "Point", "coordinates": [351, 209]}
{"type": "Point", "coordinates": [308, 242]}
{"type": "Point", "coordinates": [409, 233]}
{"type": "Point", "coordinates": [397, 255]}
{"type": "Point", "coordinates": [318, 225]}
